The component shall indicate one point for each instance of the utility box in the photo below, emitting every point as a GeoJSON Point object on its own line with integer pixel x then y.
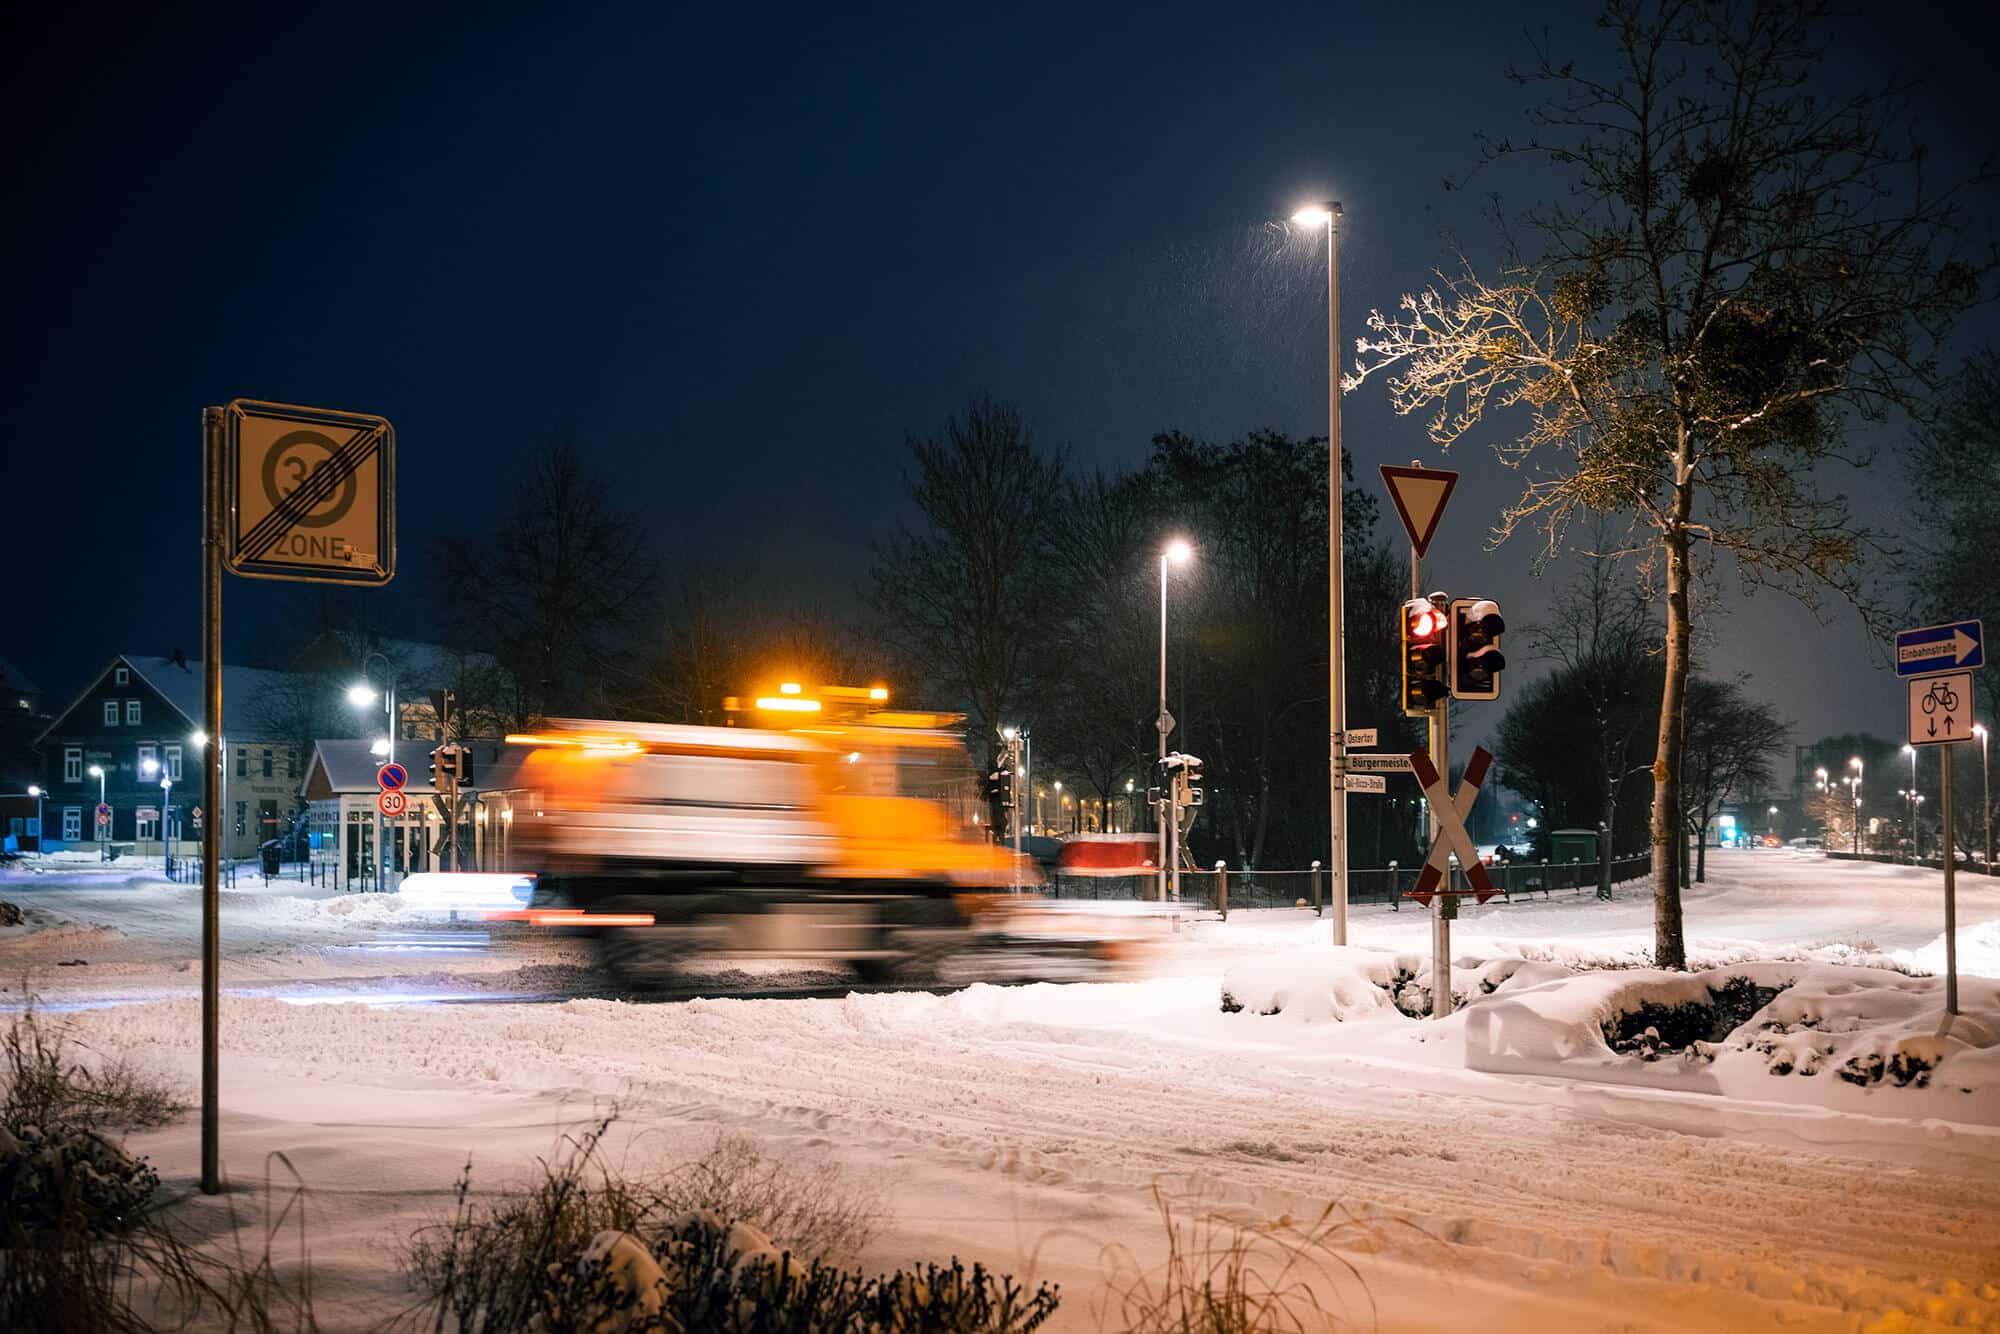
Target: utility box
{"type": "Point", "coordinates": [1572, 845]}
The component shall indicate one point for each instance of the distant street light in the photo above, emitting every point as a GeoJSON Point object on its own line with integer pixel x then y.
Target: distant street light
{"type": "Point", "coordinates": [1177, 552]}
{"type": "Point", "coordinates": [41, 838]}
{"type": "Point", "coordinates": [1327, 215]}
{"type": "Point", "coordinates": [1985, 793]}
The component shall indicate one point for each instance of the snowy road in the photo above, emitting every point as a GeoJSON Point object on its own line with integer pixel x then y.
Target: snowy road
{"type": "Point", "coordinates": [1027, 1125]}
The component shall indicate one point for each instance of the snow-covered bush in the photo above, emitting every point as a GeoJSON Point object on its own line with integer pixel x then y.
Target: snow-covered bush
{"type": "Point", "coordinates": [72, 1179]}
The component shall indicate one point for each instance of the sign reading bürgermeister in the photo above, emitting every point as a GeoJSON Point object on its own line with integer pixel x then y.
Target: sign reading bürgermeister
{"type": "Point", "coordinates": [309, 493]}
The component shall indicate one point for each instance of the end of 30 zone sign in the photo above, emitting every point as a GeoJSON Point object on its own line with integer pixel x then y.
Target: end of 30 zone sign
{"type": "Point", "coordinates": [308, 493]}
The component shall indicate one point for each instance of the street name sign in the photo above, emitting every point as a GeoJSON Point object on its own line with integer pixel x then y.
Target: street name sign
{"type": "Point", "coordinates": [392, 803]}
{"type": "Point", "coordinates": [1941, 709]}
{"type": "Point", "coordinates": [1365, 783]}
{"type": "Point", "coordinates": [1378, 764]}
{"type": "Point", "coordinates": [392, 777]}
{"type": "Point", "coordinates": [1361, 736]}
{"type": "Point", "coordinates": [1957, 647]}
{"type": "Point", "coordinates": [308, 493]}
{"type": "Point", "coordinates": [1419, 495]}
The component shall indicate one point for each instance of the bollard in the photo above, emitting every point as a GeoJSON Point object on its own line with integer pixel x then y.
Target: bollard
{"type": "Point", "coordinates": [1395, 899]}
{"type": "Point", "coordinates": [1222, 889]}
{"type": "Point", "coordinates": [1318, 911]}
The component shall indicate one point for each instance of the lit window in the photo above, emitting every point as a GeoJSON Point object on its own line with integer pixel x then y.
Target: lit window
{"type": "Point", "coordinates": [131, 713]}
{"type": "Point", "coordinates": [72, 764]}
{"type": "Point", "coordinates": [111, 713]}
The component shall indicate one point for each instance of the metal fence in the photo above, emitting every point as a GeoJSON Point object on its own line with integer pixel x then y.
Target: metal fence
{"type": "Point", "coordinates": [1220, 890]}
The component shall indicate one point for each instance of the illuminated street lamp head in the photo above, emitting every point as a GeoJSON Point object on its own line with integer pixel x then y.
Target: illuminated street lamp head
{"type": "Point", "coordinates": [361, 694]}
{"type": "Point", "coordinates": [96, 771]}
{"type": "Point", "coordinates": [1316, 215]}
{"type": "Point", "coordinates": [1854, 762]}
{"type": "Point", "coordinates": [34, 791]}
{"type": "Point", "coordinates": [1979, 730]}
{"type": "Point", "coordinates": [199, 737]}
{"type": "Point", "coordinates": [1009, 733]}
{"type": "Point", "coordinates": [1178, 552]}
{"type": "Point", "coordinates": [379, 746]}
{"type": "Point", "coordinates": [1128, 785]}
{"type": "Point", "coordinates": [149, 766]}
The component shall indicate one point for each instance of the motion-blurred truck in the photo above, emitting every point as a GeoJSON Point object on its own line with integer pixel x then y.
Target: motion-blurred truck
{"type": "Point", "coordinates": [820, 824]}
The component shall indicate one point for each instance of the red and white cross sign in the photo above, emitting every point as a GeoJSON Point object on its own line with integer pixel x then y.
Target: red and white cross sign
{"type": "Point", "coordinates": [1452, 836]}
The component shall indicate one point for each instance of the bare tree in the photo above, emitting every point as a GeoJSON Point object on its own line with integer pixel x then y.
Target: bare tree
{"type": "Point", "coordinates": [553, 591]}
{"type": "Point", "coordinates": [1741, 267]}
{"type": "Point", "coordinates": [1603, 634]}
{"type": "Point", "coordinates": [1730, 740]}
{"type": "Point", "coordinates": [961, 599]}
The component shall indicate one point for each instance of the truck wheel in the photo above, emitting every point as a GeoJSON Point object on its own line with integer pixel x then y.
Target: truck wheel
{"type": "Point", "coordinates": [642, 956]}
{"type": "Point", "coordinates": [922, 934]}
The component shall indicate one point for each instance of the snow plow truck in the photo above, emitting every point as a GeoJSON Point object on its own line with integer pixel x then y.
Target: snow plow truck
{"type": "Point", "coordinates": [819, 824]}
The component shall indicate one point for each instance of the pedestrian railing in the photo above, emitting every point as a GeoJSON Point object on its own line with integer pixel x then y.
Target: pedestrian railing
{"type": "Point", "coordinates": [1220, 889]}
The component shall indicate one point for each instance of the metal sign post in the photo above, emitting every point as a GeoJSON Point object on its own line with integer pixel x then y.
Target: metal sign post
{"type": "Point", "coordinates": [287, 493]}
{"type": "Point", "coordinates": [1940, 660]}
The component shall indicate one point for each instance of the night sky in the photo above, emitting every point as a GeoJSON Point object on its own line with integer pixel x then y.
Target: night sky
{"type": "Point", "coordinates": [736, 258]}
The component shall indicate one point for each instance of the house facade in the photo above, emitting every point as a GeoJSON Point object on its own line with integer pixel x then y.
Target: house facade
{"type": "Point", "coordinates": [129, 745]}
{"type": "Point", "coordinates": [341, 792]}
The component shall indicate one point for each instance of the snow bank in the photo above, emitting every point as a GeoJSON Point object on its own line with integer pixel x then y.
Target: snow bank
{"type": "Point", "coordinates": [1835, 1035]}
{"type": "Point", "coordinates": [1346, 982]}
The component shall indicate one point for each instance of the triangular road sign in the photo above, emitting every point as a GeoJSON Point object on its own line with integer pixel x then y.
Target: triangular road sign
{"type": "Point", "coordinates": [1419, 495]}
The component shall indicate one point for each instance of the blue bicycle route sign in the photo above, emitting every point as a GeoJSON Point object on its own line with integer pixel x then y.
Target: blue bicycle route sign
{"type": "Point", "coordinates": [1940, 648]}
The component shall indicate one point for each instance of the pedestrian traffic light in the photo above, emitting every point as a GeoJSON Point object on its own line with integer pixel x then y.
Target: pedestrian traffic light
{"type": "Point", "coordinates": [1425, 630]}
{"type": "Point", "coordinates": [1476, 660]}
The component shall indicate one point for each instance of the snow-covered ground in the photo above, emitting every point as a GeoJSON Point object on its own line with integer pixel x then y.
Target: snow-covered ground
{"type": "Point", "coordinates": [1504, 1169]}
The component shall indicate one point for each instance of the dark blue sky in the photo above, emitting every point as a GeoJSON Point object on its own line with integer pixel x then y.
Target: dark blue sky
{"type": "Point", "coordinates": [736, 257]}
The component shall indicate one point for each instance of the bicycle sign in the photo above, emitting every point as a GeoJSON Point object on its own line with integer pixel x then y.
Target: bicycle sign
{"type": "Point", "coordinates": [1941, 709]}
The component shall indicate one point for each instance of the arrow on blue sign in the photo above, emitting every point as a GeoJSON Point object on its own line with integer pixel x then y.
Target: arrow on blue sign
{"type": "Point", "coordinates": [1939, 648]}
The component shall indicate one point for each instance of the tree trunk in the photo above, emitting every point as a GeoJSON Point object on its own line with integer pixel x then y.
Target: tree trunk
{"type": "Point", "coordinates": [1701, 849]}
{"type": "Point", "coordinates": [1669, 836]}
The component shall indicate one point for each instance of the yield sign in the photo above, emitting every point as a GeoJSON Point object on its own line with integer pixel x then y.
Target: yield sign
{"type": "Point", "coordinates": [1419, 494]}
{"type": "Point", "coordinates": [1452, 836]}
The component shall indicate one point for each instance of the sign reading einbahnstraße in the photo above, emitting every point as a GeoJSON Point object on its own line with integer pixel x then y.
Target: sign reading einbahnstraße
{"type": "Point", "coordinates": [1935, 649]}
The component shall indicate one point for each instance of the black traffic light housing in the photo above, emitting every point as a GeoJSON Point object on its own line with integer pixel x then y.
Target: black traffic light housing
{"type": "Point", "coordinates": [437, 771]}
{"type": "Point", "coordinates": [1426, 629]}
{"type": "Point", "coordinates": [1476, 660]}
{"type": "Point", "coordinates": [999, 799]}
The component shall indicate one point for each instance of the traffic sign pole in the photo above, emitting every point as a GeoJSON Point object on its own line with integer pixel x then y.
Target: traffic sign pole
{"type": "Point", "coordinates": [211, 841]}
{"type": "Point", "coordinates": [1950, 887]}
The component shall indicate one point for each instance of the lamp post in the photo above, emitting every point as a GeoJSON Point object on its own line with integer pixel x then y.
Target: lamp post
{"type": "Point", "coordinates": [41, 838]}
{"type": "Point", "coordinates": [1853, 782]}
{"type": "Point", "coordinates": [1774, 821]}
{"type": "Point", "coordinates": [103, 838]}
{"type": "Point", "coordinates": [1336, 649]}
{"type": "Point", "coordinates": [149, 768]}
{"type": "Point", "coordinates": [1131, 807]}
{"type": "Point", "coordinates": [361, 694]}
{"type": "Point", "coordinates": [1177, 552]}
{"type": "Point", "coordinates": [1985, 793]}
{"type": "Point", "coordinates": [1911, 751]}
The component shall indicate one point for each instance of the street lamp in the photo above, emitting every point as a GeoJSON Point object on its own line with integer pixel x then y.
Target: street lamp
{"type": "Point", "coordinates": [362, 694]}
{"type": "Point", "coordinates": [1328, 215]}
{"type": "Point", "coordinates": [1131, 809]}
{"type": "Point", "coordinates": [1853, 783]}
{"type": "Point", "coordinates": [41, 836]}
{"type": "Point", "coordinates": [149, 768]}
{"type": "Point", "coordinates": [1177, 552]}
{"type": "Point", "coordinates": [1985, 793]}
{"type": "Point", "coordinates": [103, 839]}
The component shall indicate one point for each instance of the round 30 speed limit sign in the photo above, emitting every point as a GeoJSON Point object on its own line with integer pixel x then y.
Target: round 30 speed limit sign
{"type": "Point", "coordinates": [392, 803]}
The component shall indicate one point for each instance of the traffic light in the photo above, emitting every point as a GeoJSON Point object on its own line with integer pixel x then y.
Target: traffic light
{"type": "Point", "coordinates": [1193, 769]}
{"type": "Point", "coordinates": [464, 765]}
{"type": "Point", "coordinates": [1425, 629]}
{"type": "Point", "coordinates": [1476, 660]}
{"type": "Point", "coordinates": [437, 770]}
{"type": "Point", "coordinates": [999, 800]}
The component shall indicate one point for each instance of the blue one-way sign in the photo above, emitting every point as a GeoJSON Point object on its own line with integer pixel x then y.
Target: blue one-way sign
{"type": "Point", "coordinates": [1939, 648]}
